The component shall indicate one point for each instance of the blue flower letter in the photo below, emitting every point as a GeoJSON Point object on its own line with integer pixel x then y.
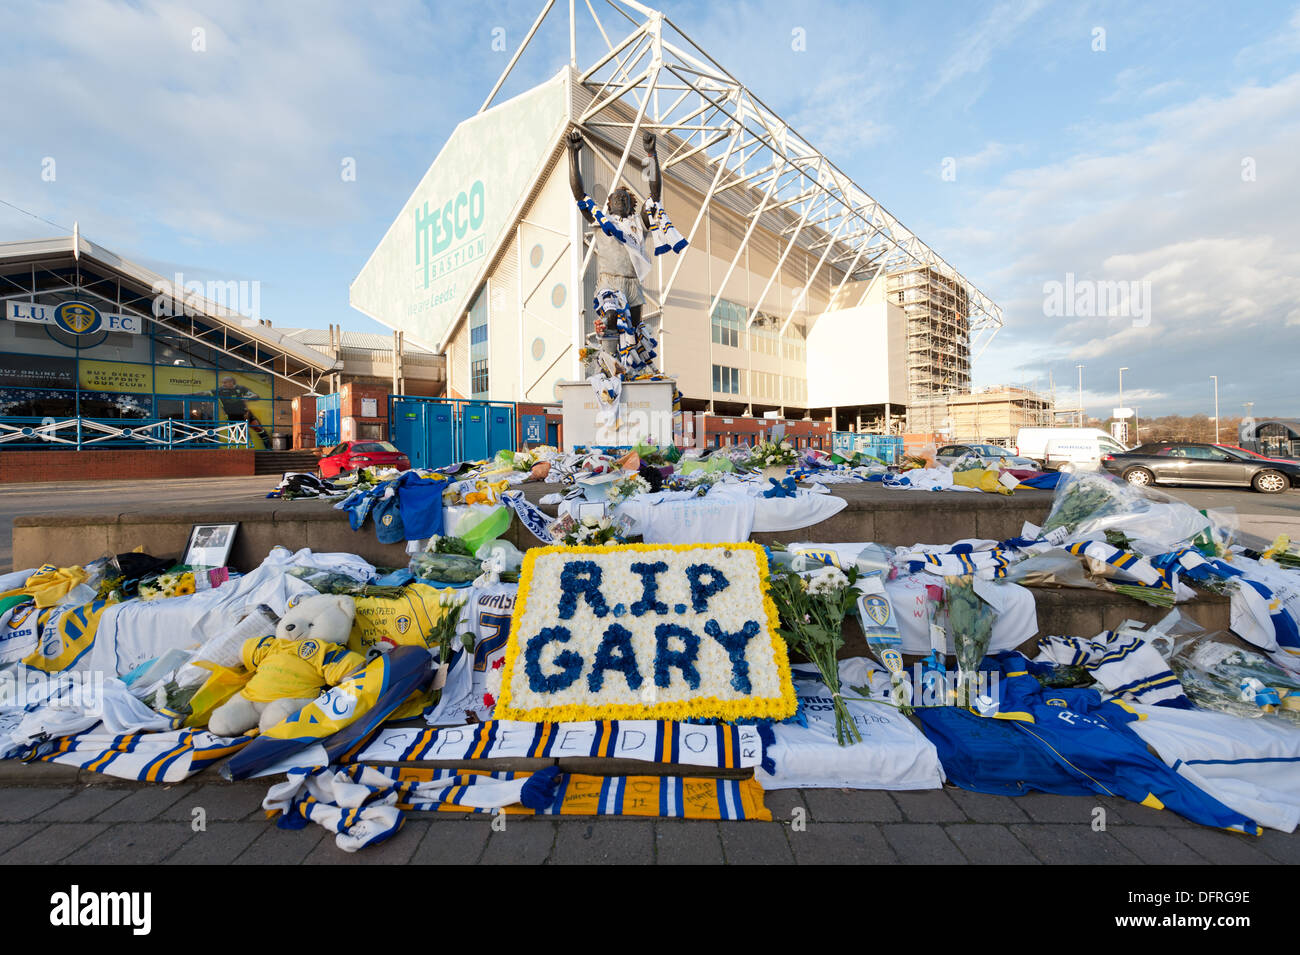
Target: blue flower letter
{"type": "Point", "coordinates": [734, 644]}
{"type": "Point", "coordinates": [684, 659]}
{"type": "Point", "coordinates": [702, 590]}
{"type": "Point", "coordinates": [581, 577]}
{"type": "Point", "coordinates": [570, 663]}
{"type": "Point", "coordinates": [617, 638]}
{"type": "Point", "coordinates": [649, 588]}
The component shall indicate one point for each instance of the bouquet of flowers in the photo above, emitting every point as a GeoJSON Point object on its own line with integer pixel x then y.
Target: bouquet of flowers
{"type": "Point", "coordinates": [590, 531]}
{"type": "Point", "coordinates": [630, 486]}
{"type": "Point", "coordinates": [442, 634]}
{"type": "Point", "coordinates": [446, 544]}
{"type": "Point", "coordinates": [174, 583]}
{"type": "Point", "coordinates": [812, 611]}
{"type": "Point", "coordinates": [769, 454]}
{"type": "Point", "coordinates": [697, 481]}
{"type": "Point", "coordinates": [970, 625]}
{"type": "Point", "coordinates": [1230, 679]}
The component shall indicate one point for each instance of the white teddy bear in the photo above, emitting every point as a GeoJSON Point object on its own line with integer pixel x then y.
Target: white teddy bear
{"type": "Point", "coordinates": [308, 653]}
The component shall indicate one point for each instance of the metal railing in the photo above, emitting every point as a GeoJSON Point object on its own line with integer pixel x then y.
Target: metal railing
{"type": "Point", "coordinates": [80, 433]}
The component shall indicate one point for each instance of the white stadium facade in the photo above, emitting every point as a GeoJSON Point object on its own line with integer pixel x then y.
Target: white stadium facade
{"type": "Point", "coordinates": [789, 298]}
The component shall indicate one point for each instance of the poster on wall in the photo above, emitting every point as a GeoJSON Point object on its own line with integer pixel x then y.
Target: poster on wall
{"type": "Point", "coordinates": [37, 371]}
{"type": "Point", "coordinates": [118, 376]}
{"type": "Point", "coordinates": [246, 396]}
{"type": "Point", "coordinates": [182, 380]}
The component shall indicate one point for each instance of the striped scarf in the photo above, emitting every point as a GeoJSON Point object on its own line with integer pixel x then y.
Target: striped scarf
{"type": "Point", "coordinates": [167, 757]}
{"type": "Point", "coordinates": [536, 520]}
{"type": "Point", "coordinates": [1129, 565]}
{"type": "Point", "coordinates": [717, 746]}
{"type": "Point", "coordinates": [1123, 663]}
{"type": "Point", "coordinates": [665, 235]}
{"type": "Point", "coordinates": [364, 805]}
{"type": "Point", "coordinates": [987, 564]}
{"type": "Point", "coordinates": [626, 230]}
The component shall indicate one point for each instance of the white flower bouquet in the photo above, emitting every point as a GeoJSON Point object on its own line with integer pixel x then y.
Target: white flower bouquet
{"type": "Point", "coordinates": [812, 612]}
{"type": "Point", "coordinates": [769, 454]}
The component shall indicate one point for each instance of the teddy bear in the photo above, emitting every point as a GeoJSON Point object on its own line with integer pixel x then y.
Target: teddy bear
{"type": "Point", "coordinates": [308, 653]}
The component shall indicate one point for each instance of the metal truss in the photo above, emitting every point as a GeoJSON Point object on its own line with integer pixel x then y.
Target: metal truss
{"type": "Point", "coordinates": [183, 317]}
{"type": "Point", "coordinates": [655, 78]}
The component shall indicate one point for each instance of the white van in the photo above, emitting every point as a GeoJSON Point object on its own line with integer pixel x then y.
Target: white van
{"type": "Point", "coordinates": [1068, 448]}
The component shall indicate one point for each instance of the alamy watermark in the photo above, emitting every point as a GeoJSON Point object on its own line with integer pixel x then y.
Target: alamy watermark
{"type": "Point", "coordinates": [194, 298]}
{"type": "Point", "coordinates": [83, 692]}
{"type": "Point", "coordinates": [1087, 298]}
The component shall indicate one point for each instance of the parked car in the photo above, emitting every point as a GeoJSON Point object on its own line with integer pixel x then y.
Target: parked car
{"type": "Point", "coordinates": [1066, 448]}
{"type": "Point", "coordinates": [990, 455]}
{"type": "Point", "coordinates": [354, 455]}
{"type": "Point", "coordinates": [1255, 454]}
{"type": "Point", "coordinates": [1165, 462]}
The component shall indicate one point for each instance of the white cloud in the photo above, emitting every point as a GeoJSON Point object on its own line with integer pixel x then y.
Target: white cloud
{"type": "Point", "coordinates": [976, 48]}
{"type": "Point", "coordinates": [1165, 204]}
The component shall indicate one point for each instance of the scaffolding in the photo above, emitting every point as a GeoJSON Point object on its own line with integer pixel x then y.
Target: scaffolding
{"type": "Point", "coordinates": [938, 342]}
{"type": "Point", "coordinates": [997, 413]}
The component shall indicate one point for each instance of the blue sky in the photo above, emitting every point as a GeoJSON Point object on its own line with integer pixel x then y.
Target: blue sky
{"type": "Point", "coordinates": [1166, 158]}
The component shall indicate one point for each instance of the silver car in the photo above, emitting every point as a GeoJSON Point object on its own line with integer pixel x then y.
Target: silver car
{"type": "Point", "coordinates": [988, 455]}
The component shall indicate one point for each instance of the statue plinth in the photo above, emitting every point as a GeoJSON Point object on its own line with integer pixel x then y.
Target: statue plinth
{"type": "Point", "coordinates": [645, 414]}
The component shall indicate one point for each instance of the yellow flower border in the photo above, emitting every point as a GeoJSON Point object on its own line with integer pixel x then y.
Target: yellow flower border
{"type": "Point", "coordinates": [709, 707]}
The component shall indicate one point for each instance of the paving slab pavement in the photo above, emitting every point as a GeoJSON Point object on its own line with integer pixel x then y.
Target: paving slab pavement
{"type": "Point", "coordinates": [138, 823]}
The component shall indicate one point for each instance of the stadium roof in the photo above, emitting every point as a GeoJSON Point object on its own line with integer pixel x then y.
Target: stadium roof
{"type": "Point", "coordinates": [718, 136]}
{"type": "Point", "coordinates": [78, 268]}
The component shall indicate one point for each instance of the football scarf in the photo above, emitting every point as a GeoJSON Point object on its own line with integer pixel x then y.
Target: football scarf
{"type": "Point", "coordinates": [364, 805]}
{"type": "Point", "coordinates": [532, 517]}
{"type": "Point", "coordinates": [1129, 566]}
{"type": "Point", "coordinates": [665, 235]}
{"type": "Point", "coordinates": [167, 757]}
{"type": "Point", "coordinates": [718, 746]}
{"type": "Point", "coordinates": [636, 349]}
{"type": "Point", "coordinates": [1122, 663]}
{"type": "Point", "coordinates": [988, 564]}
{"type": "Point", "coordinates": [626, 229]}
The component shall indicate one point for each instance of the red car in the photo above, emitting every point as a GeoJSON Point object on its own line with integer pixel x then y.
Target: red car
{"type": "Point", "coordinates": [354, 455]}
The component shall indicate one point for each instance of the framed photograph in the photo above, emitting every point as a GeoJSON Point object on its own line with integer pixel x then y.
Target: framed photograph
{"type": "Point", "coordinates": [209, 544]}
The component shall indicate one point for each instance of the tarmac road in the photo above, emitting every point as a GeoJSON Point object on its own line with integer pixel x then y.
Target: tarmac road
{"type": "Point", "coordinates": [52, 814]}
{"type": "Point", "coordinates": [1261, 515]}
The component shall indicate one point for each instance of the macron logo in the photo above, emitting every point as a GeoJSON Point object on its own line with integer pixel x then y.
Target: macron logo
{"type": "Point", "coordinates": [102, 908]}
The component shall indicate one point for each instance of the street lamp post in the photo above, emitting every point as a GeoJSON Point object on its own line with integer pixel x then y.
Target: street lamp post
{"type": "Point", "coordinates": [1215, 378]}
{"type": "Point", "coordinates": [1080, 367]}
{"type": "Point", "coordinates": [1121, 397]}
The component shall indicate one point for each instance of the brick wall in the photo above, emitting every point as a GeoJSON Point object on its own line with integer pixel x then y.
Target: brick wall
{"type": "Point", "coordinates": [25, 466]}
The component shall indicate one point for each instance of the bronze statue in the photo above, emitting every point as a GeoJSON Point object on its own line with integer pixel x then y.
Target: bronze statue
{"type": "Point", "coordinates": [621, 259]}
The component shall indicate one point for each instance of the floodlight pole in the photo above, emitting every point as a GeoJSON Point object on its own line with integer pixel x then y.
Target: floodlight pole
{"type": "Point", "coordinates": [1215, 378]}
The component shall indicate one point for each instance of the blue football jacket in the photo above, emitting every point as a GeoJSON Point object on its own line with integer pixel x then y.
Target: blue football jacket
{"type": "Point", "coordinates": [1078, 731]}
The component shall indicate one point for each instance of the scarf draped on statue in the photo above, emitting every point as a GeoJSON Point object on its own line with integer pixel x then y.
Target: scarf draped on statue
{"type": "Point", "coordinates": [630, 231]}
